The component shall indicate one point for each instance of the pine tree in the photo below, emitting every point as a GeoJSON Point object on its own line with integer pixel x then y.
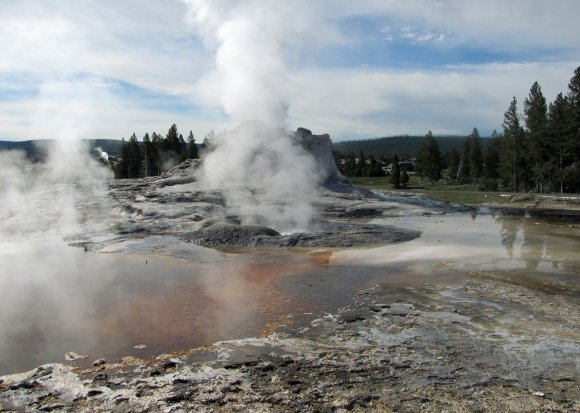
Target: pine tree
{"type": "Point", "coordinates": [173, 139]}
{"type": "Point", "coordinates": [539, 148]}
{"type": "Point", "coordinates": [510, 156]}
{"type": "Point", "coordinates": [396, 173]}
{"type": "Point", "coordinates": [475, 158]}
{"type": "Point", "coordinates": [491, 162]}
{"type": "Point", "coordinates": [147, 155]}
{"type": "Point", "coordinates": [182, 149]}
{"type": "Point", "coordinates": [133, 157]}
{"type": "Point", "coordinates": [574, 96]}
{"type": "Point", "coordinates": [453, 160]}
{"type": "Point", "coordinates": [561, 129]}
{"type": "Point", "coordinates": [192, 152]}
{"type": "Point", "coordinates": [156, 148]}
{"type": "Point", "coordinates": [429, 159]}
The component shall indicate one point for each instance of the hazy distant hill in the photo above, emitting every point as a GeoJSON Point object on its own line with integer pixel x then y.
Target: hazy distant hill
{"type": "Point", "coordinates": [405, 146]}
{"type": "Point", "coordinates": [36, 150]}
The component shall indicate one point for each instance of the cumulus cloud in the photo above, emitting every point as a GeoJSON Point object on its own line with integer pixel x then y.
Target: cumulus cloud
{"type": "Point", "coordinates": [152, 47]}
{"type": "Point", "coordinates": [421, 36]}
{"type": "Point", "coordinates": [374, 102]}
{"type": "Point", "coordinates": [504, 25]}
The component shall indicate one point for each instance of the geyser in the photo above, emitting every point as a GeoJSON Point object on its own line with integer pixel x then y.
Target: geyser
{"type": "Point", "coordinates": [265, 176]}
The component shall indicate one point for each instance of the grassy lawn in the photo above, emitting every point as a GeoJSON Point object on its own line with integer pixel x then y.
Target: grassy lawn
{"type": "Point", "coordinates": [459, 194]}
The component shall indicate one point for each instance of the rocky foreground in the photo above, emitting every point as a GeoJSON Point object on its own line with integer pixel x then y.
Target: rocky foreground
{"type": "Point", "coordinates": [480, 343]}
{"type": "Point", "coordinates": [479, 346]}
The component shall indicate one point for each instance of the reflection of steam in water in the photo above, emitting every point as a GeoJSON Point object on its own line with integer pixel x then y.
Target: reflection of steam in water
{"type": "Point", "coordinates": [44, 282]}
{"type": "Point", "coordinates": [58, 299]}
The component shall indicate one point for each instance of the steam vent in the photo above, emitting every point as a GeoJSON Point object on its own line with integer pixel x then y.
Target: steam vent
{"type": "Point", "coordinates": [177, 203]}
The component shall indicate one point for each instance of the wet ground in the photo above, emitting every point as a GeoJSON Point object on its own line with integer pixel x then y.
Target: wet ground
{"type": "Point", "coordinates": [163, 295]}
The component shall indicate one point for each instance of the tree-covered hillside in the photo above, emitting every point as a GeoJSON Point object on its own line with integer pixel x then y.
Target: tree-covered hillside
{"type": "Point", "coordinates": [405, 147]}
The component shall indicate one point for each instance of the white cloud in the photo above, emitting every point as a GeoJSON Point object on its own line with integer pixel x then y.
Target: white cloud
{"type": "Point", "coordinates": [98, 47]}
{"type": "Point", "coordinates": [421, 36]}
{"type": "Point", "coordinates": [351, 103]}
{"type": "Point", "coordinates": [503, 25]}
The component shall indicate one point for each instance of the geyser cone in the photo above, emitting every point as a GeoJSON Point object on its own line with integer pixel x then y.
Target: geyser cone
{"type": "Point", "coordinates": [266, 177]}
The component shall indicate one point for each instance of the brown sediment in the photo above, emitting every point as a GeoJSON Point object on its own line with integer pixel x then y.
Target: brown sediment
{"type": "Point", "coordinates": [206, 303]}
{"type": "Point", "coordinates": [282, 321]}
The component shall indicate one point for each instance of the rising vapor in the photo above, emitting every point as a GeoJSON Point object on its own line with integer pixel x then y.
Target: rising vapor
{"type": "Point", "coordinates": [266, 177]}
{"type": "Point", "coordinates": [43, 283]}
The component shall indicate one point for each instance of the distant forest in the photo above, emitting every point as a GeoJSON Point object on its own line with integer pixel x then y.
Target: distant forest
{"type": "Point", "coordinates": [538, 150]}
{"type": "Point", "coordinates": [405, 146]}
{"type": "Point", "coordinates": [154, 154]}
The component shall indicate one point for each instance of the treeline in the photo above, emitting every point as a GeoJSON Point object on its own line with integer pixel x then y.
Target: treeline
{"type": "Point", "coordinates": [352, 165]}
{"type": "Point", "coordinates": [154, 154]}
{"type": "Point", "coordinates": [537, 151]}
{"type": "Point", "coordinates": [404, 146]}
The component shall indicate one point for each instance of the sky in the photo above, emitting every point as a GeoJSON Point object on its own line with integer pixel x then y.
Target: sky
{"type": "Point", "coordinates": [353, 69]}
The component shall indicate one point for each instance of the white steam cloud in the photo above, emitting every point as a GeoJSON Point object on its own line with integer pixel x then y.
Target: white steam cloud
{"type": "Point", "coordinates": [41, 278]}
{"type": "Point", "coordinates": [102, 154]}
{"type": "Point", "coordinates": [267, 178]}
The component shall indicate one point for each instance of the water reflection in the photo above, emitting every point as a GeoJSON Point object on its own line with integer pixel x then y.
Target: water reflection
{"type": "Point", "coordinates": [540, 243]}
{"type": "Point", "coordinates": [58, 299]}
{"type": "Point", "coordinates": [484, 240]}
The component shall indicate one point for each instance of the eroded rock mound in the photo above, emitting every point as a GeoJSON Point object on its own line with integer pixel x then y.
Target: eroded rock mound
{"type": "Point", "coordinates": [319, 146]}
{"type": "Point", "coordinates": [335, 235]}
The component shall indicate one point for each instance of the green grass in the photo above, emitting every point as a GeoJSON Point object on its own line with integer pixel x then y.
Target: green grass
{"type": "Point", "coordinates": [466, 197]}
{"type": "Point", "coordinates": [381, 182]}
{"type": "Point", "coordinates": [458, 194]}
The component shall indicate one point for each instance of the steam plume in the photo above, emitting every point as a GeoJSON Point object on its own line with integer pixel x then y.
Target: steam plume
{"type": "Point", "coordinates": [102, 154]}
{"type": "Point", "coordinates": [267, 178]}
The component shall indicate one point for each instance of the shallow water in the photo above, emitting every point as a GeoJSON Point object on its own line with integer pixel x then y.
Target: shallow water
{"type": "Point", "coordinates": [58, 299]}
{"type": "Point", "coordinates": [170, 296]}
{"type": "Point", "coordinates": [483, 241]}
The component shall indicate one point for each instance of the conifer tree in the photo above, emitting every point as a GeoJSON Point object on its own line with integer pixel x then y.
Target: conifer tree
{"type": "Point", "coordinates": [147, 155]}
{"type": "Point", "coordinates": [510, 159]}
{"type": "Point", "coordinates": [538, 146]}
{"type": "Point", "coordinates": [156, 148]}
{"type": "Point", "coordinates": [133, 157]}
{"type": "Point", "coordinates": [574, 96]}
{"type": "Point", "coordinates": [429, 159]}
{"type": "Point", "coordinates": [453, 160]}
{"type": "Point", "coordinates": [561, 128]}
{"type": "Point", "coordinates": [396, 173]}
{"type": "Point", "coordinates": [491, 162]}
{"type": "Point", "coordinates": [192, 152]}
{"type": "Point", "coordinates": [182, 149]}
{"type": "Point", "coordinates": [475, 159]}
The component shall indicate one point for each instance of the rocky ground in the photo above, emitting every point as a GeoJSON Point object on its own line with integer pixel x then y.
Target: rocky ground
{"type": "Point", "coordinates": [479, 346]}
{"type": "Point", "coordinates": [483, 343]}
{"type": "Point", "coordinates": [175, 204]}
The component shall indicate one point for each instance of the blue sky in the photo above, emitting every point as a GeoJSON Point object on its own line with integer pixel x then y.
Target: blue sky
{"type": "Point", "coordinates": [106, 69]}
